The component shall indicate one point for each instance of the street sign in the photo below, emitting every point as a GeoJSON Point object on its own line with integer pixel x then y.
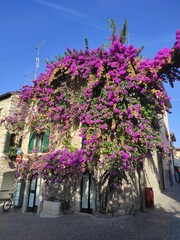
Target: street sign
{"type": "Point", "coordinates": [19, 152]}
{"type": "Point", "coordinates": [18, 158]}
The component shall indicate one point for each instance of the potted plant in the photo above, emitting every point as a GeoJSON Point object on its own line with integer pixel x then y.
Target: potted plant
{"type": "Point", "coordinates": [12, 152]}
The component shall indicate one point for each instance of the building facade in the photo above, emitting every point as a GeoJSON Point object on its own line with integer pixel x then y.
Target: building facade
{"type": "Point", "coordinates": [80, 195]}
{"type": "Point", "coordinates": [8, 105]}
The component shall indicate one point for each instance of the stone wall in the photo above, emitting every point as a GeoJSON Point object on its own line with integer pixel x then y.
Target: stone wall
{"type": "Point", "coordinates": [126, 199]}
{"type": "Point", "coordinates": [8, 104]}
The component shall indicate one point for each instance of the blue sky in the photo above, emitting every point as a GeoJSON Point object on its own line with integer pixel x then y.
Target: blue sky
{"type": "Point", "coordinates": [56, 25]}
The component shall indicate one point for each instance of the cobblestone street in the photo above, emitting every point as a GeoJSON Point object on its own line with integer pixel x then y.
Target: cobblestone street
{"type": "Point", "coordinates": [161, 222]}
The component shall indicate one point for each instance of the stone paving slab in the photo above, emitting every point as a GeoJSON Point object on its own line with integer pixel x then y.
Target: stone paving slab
{"type": "Point", "coordinates": [159, 223]}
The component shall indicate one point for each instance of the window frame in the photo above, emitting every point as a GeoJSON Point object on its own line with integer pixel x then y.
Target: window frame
{"type": "Point", "coordinates": [38, 142]}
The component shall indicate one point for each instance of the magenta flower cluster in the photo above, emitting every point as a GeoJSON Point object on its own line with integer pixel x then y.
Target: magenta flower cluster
{"type": "Point", "coordinates": [113, 94]}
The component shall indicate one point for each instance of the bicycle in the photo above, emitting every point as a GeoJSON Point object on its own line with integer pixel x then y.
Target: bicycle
{"type": "Point", "coordinates": [8, 203]}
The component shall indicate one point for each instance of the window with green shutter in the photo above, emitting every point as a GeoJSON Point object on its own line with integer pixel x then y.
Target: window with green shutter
{"type": "Point", "coordinates": [6, 144]}
{"type": "Point", "coordinates": [10, 146]}
{"type": "Point", "coordinates": [39, 142]}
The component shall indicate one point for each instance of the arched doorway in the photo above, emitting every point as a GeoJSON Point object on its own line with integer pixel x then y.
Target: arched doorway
{"type": "Point", "coordinates": [88, 193]}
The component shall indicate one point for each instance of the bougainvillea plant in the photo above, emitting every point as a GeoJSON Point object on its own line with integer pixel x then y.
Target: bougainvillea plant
{"type": "Point", "coordinates": [115, 99]}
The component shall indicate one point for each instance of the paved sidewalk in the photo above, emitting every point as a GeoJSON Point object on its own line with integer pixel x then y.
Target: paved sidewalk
{"type": "Point", "coordinates": [160, 223]}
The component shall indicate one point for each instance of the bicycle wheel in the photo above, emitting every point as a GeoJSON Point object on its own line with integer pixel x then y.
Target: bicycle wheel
{"type": "Point", "coordinates": [7, 205]}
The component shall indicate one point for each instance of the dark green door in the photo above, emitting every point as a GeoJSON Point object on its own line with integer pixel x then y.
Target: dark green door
{"type": "Point", "coordinates": [87, 193]}
{"type": "Point", "coordinates": [32, 196]}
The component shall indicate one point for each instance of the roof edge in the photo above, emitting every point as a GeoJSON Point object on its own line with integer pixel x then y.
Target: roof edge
{"type": "Point", "coordinates": [8, 94]}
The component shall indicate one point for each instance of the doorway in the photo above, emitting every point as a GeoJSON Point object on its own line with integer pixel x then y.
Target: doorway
{"type": "Point", "coordinates": [32, 207]}
{"type": "Point", "coordinates": [88, 193]}
{"type": "Point", "coordinates": [161, 172]}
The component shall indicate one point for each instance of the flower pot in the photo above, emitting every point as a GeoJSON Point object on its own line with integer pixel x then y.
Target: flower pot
{"type": "Point", "coordinates": [51, 208]}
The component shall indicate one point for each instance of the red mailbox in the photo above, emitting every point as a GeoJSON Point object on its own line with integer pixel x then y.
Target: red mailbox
{"type": "Point", "coordinates": [149, 197]}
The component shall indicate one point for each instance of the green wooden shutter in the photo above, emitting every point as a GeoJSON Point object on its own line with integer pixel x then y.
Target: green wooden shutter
{"type": "Point", "coordinates": [83, 145]}
{"type": "Point", "coordinates": [45, 141]}
{"type": "Point", "coordinates": [31, 143]}
{"type": "Point", "coordinates": [6, 144]}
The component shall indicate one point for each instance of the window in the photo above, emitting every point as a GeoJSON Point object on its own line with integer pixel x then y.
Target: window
{"type": "Point", "coordinates": [39, 142]}
{"type": "Point", "coordinates": [7, 183]}
{"type": "Point", "coordinates": [11, 145]}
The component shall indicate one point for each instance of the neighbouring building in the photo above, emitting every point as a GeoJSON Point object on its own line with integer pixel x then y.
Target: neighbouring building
{"type": "Point", "coordinates": [8, 149]}
{"type": "Point", "coordinates": [177, 164]}
{"type": "Point", "coordinates": [177, 157]}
